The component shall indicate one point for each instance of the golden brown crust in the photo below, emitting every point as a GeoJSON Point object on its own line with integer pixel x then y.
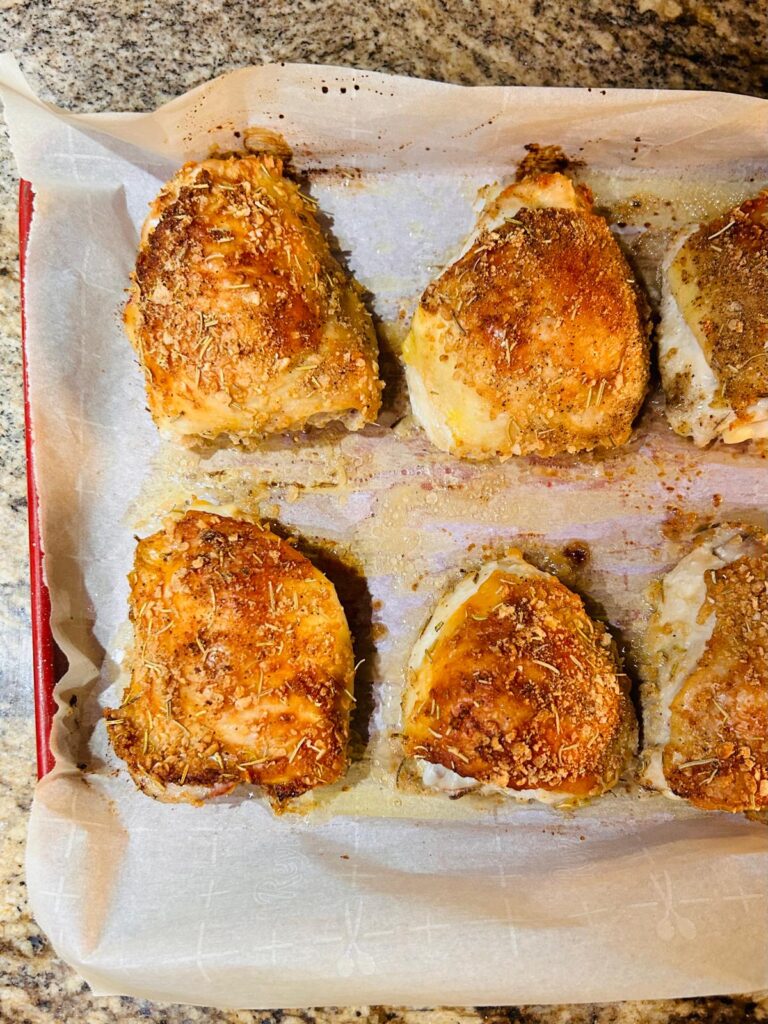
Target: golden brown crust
{"type": "Point", "coordinates": [242, 665]}
{"type": "Point", "coordinates": [243, 321]}
{"type": "Point", "coordinates": [542, 319]}
{"type": "Point", "coordinates": [717, 754]}
{"type": "Point", "coordinates": [523, 690]}
{"type": "Point", "coordinates": [719, 278]}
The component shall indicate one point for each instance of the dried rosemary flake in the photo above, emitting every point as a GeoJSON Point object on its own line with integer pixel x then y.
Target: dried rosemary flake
{"type": "Point", "coordinates": [457, 753]}
{"type": "Point", "coordinates": [205, 346]}
{"type": "Point", "coordinates": [721, 709]}
{"type": "Point", "coordinates": [697, 763]}
{"type": "Point", "coordinates": [721, 231]}
{"type": "Point", "coordinates": [546, 664]}
{"type": "Point", "coordinates": [298, 747]}
{"type": "Point", "coordinates": [553, 709]}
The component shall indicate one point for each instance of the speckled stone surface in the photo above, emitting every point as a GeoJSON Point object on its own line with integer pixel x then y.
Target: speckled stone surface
{"type": "Point", "coordinates": [135, 54]}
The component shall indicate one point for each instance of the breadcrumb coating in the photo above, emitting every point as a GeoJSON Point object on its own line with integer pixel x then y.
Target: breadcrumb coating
{"type": "Point", "coordinates": [244, 323]}
{"type": "Point", "coordinates": [242, 668]}
{"type": "Point", "coordinates": [717, 751]}
{"type": "Point", "coordinates": [717, 281]}
{"type": "Point", "coordinates": [523, 690]}
{"type": "Point", "coordinates": [536, 339]}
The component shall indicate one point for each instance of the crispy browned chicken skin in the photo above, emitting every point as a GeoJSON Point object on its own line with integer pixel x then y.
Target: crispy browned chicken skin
{"type": "Point", "coordinates": [713, 336]}
{"type": "Point", "coordinates": [707, 711]}
{"type": "Point", "coordinates": [535, 340]}
{"type": "Point", "coordinates": [243, 321]}
{"type": "Point", "coordinates": [513, 685]}
{"type": "Point", "coordinates": [242, 665]}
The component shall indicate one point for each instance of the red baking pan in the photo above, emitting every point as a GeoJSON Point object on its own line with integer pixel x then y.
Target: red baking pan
{"type": "Point", "coordinates": [49, 664]}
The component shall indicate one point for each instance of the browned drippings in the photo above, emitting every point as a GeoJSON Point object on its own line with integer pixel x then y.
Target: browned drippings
{"type": "Point", "coordinates": [544, 160]}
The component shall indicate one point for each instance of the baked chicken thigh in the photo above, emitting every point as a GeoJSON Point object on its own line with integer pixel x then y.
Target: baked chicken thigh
{"type": "Point", "coordinates": [244, 323]}
{"type": "Point", "coordinates": [535, 340]}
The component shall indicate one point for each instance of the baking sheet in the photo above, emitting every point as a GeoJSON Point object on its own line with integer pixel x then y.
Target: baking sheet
{"type": "Point", "coordinates": [381, 894]}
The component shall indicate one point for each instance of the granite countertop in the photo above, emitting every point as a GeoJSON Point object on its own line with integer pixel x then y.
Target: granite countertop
{"type": "Point", "coordinates": [136, 54]}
